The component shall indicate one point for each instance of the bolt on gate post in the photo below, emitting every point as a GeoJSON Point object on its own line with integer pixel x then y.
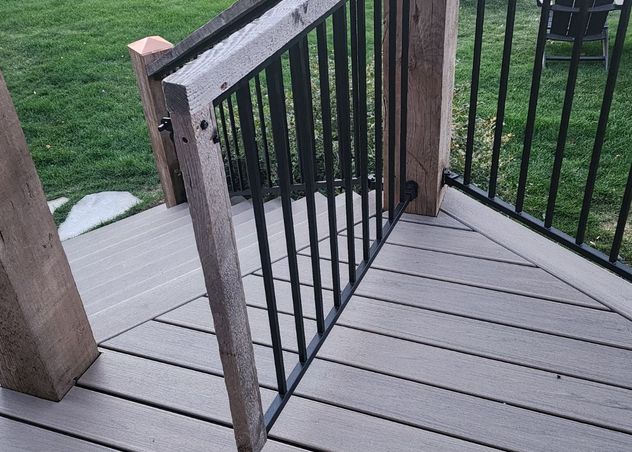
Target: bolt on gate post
{"type": "Point", "coordinates": [45, 339]}
{"type": "Point", "coordinates": [425, 103]}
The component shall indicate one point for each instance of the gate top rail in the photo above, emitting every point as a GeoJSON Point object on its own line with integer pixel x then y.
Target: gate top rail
{"type": "Point", "coordinates": [217, 29]}
{"type": "Point", "coordinates": [202, 81]}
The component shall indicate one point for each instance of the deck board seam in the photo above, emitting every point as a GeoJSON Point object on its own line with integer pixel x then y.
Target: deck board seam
{"type": "Point", "coordinates": [60, 431]}
{"type": "Point", "coordinates": [484, 286]}
{"type": "Point", "coordinates": [550, 272]}
{"type": "Point", "coordinates": [303, 395]}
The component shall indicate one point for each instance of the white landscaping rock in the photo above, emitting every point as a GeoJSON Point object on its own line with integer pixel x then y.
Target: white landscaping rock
{"type": "Point", "coordinates": [56, 204]}
{"type": "Point", "coordinates": [94, 210]}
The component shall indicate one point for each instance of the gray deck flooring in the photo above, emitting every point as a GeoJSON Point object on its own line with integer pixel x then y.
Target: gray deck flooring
{"type": "Point", "coordinates": [451, 342]}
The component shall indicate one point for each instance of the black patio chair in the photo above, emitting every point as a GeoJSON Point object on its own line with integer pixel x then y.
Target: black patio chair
{"type": "Point", "coordinates": [563, 25]}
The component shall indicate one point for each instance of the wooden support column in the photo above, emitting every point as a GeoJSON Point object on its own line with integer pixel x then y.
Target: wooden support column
{"type": "Point", "coordinates": [432, 57]}
{"type": "Point", "coordinates": [143, 53]}
{"type": "Point", "coordinates": [209, 202]}
{"type": "Point", "coordinates": [45, 339]}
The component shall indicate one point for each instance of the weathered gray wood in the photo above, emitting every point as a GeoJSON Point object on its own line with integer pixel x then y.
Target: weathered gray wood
{"type": "Point", "coordinates": [447, 240]}
{"type": "Point", "coordinates": [17, 436]}
{"type": "Point", "coordinates": [45, 337]}
{"type": "Point", "coordinates": [207, 34]}
{"type": "Point", "coordinates": [142, 53]}
{"type": "Point", "coordinates": [604, 286]}
{"type": "Point", "coordinates": [491, 379]}
{"type": "Point", "coordinates": [194, 87]}
{"type": "Point", "coordinates": [432, 56]}
{"type": "Point", "coordinates": [209, 203]}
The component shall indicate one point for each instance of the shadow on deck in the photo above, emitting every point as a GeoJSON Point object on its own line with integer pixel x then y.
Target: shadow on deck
{"type": "Point", "coordinates": [468, 332]}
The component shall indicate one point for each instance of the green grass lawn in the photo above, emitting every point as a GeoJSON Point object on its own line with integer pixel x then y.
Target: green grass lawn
{"type": "Point", "coordinates": [67, 66]}
{"type": "Point", "coordinates": [616, 156]}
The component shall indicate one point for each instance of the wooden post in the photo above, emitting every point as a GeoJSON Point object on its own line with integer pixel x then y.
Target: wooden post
{"type": "Point", "coordinates": [45, 339]}
{"type": "Point", "coordinates": [210, 207]}
{"type": "Point", "coordinates": [432, 57]}
{"type": "Point", "coordinates": [143, 53]}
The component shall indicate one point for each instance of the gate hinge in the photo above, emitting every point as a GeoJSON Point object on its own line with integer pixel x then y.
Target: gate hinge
{"type": "Point", "coordinates": [165, 125]}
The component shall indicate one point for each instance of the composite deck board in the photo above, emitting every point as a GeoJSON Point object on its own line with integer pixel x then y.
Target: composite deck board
{"type": "Point", "coordinates": [146, 217]}
{"type": "Point", "coordinates": [593, 325]}
{"type": "Point", "coordinates": [523, 386]}
{"type": "Point", "coordinates": [126, 312]}
{"type": "Point", "coordinates": [442, 410]}
{"type": "Point", "coordinates": [132, 277]}
{"type": "Point", "coordinates": [441, 220]}
{"type": "Point", "coordinates": [118, 423]}
{"type": "Point", "coordinates": [20, 437]}
{"type": "Point", "coordinates": [203, 395]}
{"type": "Point", "coordinates": [543, 351]}
{"type": "Point", "coordinates": [505, 277]}
{"type": "Point", "coordinates": [448, 240]}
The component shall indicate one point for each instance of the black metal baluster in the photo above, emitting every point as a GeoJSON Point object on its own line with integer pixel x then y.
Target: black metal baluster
{"type": "Point", "coordinates": [403, 128]}
{"type": "Point", "coordinates": [355, 82]}
{"type": "Point", "coordinates": [303, 111]}
{"type": "Point", "coordinates": [603, 120]}
{"type": "Point", "coordinates": [233, 127]}
{"type": "Point", "coordinates": [476, 75]}
{"type": "Point", "coordinates": [533, 104]}
{"type": "Point", "coordinates": [325, 103]}
{"type": "Point", "coordinates": [502, 97]}
{"type": "Point", "coordinates": [231, 176]}
{"type": "Point", "coordinates": [264, 132]}
{"type": "Point", "coordinates": [361, 125]}
{"type": "Point", "coordinates": [392, 105]}
{"type": "Point", "coordinates": [341, 56]}
{"type": "Point", "coordinates": [246, 119]}
{"type": "Point", "coordinates": [278, 114]}
{"type": "Point", "coordinates": [566, 113]}
{"type": "Point", "coordinates": [623, 220]}
{"type": "Point", "coordinates": [379, 136]}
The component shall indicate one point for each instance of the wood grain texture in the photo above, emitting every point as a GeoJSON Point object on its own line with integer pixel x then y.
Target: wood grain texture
{"type": "Point", "coordinates": [209, 202]}
{"type": "Point", "coordinates": [201, 394]}
{"type": "Point", "coordinates": [20, 437]}
{"type": "Point", "coordinates": [611, 290]}
{"type": "Point", "coordinates": [45, 338]}
{"type": "Point", "coordinates": [116, 422]}
{"type": "Point", "coordinates": [207, 34]}
{"type": "Point", "coordinates": [441, 220]}
{"type": "Point", "coordinates": [142, 53]}
{"type": "Point", "coordinates": [200, 82]}
{"type": "Point", "coordinates": [443, 410]}
{"type": "Point", "coordinates": [592, 325]}
{"type": "Point", "coordinates": [447, 240]}
{"type": "Point", "coordinates": [432, 57]}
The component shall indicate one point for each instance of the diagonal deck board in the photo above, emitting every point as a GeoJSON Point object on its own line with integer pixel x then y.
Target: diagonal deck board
{"type": "Point", "coordinates": [499, 276]}
{"type": "Point", "coordinates": [448, 240]}
{"type": "Point", "coordinates": [438, 409]}
{"type": "Point", "coordinates": [203, 395]}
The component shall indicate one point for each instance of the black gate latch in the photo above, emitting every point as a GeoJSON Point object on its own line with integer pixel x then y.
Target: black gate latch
{"type": "Point", "coordinates": [165, 125]}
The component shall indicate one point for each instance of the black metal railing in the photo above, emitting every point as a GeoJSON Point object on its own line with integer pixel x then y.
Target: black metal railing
{"type": "Point", "coordinates": [298, 125]}
{"type": "Point", "coordinates": [579, 14]}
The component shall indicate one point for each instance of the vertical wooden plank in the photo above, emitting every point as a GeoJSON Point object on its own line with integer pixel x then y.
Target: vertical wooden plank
{"type": "Point", "coordinates": [45, 338]}
{"type": "Point", "coordinates": [143, 53]}
{"type": "Point", "coordinates": [433, 35]}
{"type": "Point", "coordinates": [201, 158]}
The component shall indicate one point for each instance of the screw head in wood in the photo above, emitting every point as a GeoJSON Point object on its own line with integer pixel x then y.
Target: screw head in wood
{"type": "Point", "coordinates": [204, 124]}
